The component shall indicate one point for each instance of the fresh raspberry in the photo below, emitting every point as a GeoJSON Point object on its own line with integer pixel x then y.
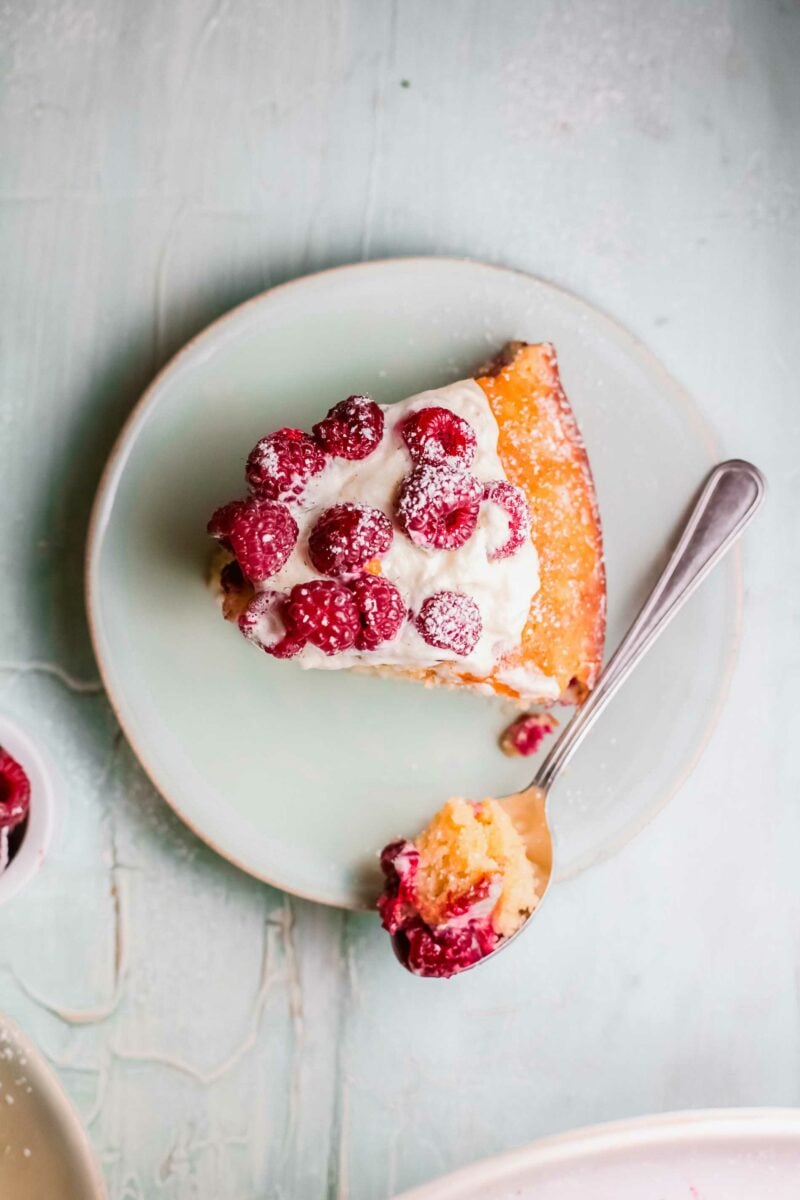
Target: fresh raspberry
{"type": "Point", "coordinates": [260, 533]}
{"type": "Point", "coordinates": [438, 506]}
{"type": "Point", "coordinates": [281, 464]}
{"type": "Point", "coordinates": [525, 735]}
{"type": "Point", "coordinates": [381, 610]}
{"type": "Point", "coordinates": [325, 614]}
{"type": "Point", "coordinates": [265, 623]}
{"type": "Point", "coordinates": [442, 953]}
{"type": "Point", "coordinates": [347, 536]}
{"type": "Point", "coordinates": [352, 429]}
{"type": "Point", "coordinates": [237, 592]}
{"type": "Point", "coordinates": [15, 792]}
{"type": "Point", "coordinates": [439, 435]}
{"type": "Point", "coordinates": [450, 621]}
{"type": "Point", "coordinates": [513, 503]}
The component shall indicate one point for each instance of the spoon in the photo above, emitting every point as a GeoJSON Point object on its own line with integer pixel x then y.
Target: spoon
{"type": "Point", "coordinates": [731, 496]}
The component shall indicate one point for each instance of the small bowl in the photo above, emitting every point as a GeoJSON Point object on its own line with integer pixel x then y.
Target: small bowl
{"type": "Point", "coordinates": [41, 818]}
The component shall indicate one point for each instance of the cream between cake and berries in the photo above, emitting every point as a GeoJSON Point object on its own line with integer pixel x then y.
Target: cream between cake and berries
{"type": "Point", "coordinates": [453, 539]}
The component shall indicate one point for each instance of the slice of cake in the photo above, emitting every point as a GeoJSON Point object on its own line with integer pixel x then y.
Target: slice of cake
{"type": "Point", "coordinates": [452, 538]}
{"type": "Point", "coordinates": [455, 891]}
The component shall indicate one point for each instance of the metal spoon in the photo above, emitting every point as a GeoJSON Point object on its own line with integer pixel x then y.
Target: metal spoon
{"type": "Point", "coordinates": [732, 495]}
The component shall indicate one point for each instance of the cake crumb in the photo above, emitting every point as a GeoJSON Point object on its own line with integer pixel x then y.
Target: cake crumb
{"type": "Point", "coordinates": [524, 736]}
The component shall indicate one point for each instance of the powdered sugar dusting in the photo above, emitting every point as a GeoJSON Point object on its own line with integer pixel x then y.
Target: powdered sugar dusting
{"type": "Point", "coordinates": [347, 536]}
{"type": "Point", "coordinates": [450, 621]}
{"type": "Point", "coordinates": [352, 429]}
{"type": "Point", "coordinates": [439, 505]}
{"type": "Point", "coordinates": [281, 464]}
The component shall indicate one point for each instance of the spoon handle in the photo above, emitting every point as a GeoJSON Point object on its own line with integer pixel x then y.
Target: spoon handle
{"type": "Point", "coordinates": [732, 494]}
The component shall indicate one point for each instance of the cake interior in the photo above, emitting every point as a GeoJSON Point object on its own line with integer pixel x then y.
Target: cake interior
{"type": "Point", "coordinates": [469, 854]}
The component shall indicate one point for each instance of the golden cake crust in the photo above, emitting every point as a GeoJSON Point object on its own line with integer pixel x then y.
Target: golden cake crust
{"type": "Point", "coordinates": [542, 452]}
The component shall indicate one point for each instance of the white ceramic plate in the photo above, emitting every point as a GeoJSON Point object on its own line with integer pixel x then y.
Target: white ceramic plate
{"type": "Point", "coordinates": [301, 777]}
{"type": "Point", "coordinates": [44, 1151]}
{"type": "Point", "coordinates": [744, 1154]}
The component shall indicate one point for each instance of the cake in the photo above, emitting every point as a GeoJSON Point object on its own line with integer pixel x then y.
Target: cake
{"type": "Point", "coordinates": [455, 891]}
{"type": "Point", "coordinates": [452, 538]}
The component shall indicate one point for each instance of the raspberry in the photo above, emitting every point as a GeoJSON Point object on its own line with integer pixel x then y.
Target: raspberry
{"type": "Point", "coordinates": [438, 506]}
{"type": "Point", "coordinates": [399, 863]}
{"type": "Point", "coordinates": [352, 428]}
{"type": "Point", "coordinates": [450, 621]}
{"type": "Point", "coordinates": [438, 435]}
{"type": "Point", "coordinates": [281, 464]}
{"type": "Point", "coordinates": [441, 953]}
{"type": "Point", "coordinates": [265, 623]}
{"type": "Point", "coordinates": [237, 592]}
{"type": "Point", "coordinates": [484, 892]}
{"type": "Point", "coordinates": [15, 792]}
{"type": "Point", "coordinates": [381, 610]}
{"type": "Point", "coordinates": [260, 533]}
{"type": "Point", "coordinates": [525, 735]}
{"type": "Point", "coordinates": [515, 506]}
{"type": "Point", "coordinates": [325, 614]}
{"type": "Point", "coordinates": [346, 537]}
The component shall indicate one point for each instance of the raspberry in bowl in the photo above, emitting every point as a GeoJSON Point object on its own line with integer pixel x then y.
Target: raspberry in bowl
{"type": "Point", "coordinates": [454, 892]}
{"type": "Point", "coordinates": [26, 808]}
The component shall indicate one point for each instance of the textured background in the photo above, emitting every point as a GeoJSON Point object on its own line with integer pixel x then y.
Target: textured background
{"type": "Point", "coordinates": [163, 161]}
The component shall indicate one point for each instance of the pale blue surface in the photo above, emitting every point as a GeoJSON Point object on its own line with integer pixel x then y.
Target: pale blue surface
{"type": "Point", "coordinates": [164, 162]}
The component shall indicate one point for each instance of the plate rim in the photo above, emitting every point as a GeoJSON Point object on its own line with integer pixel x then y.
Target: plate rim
{"type": "Point", "coordinates": [653, 1131]}
{"type": "Point", "coordinates": [109, 480]}
{"type": "Point", "coordinates": [67, 1112]}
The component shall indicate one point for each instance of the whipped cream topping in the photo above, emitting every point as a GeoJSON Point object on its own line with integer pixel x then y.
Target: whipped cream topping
{"type": "Point", "coordinates": [502, 588]}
